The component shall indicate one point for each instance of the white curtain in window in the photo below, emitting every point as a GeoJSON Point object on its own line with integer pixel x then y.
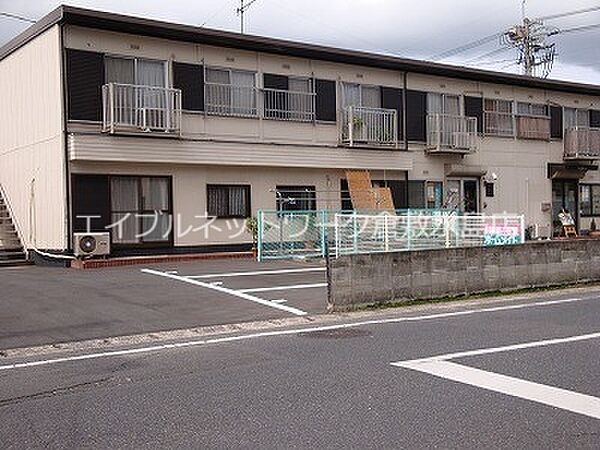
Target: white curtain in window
{"type": "Point", "coordinates": [434, 103]}
{"type": "Point", "coordinates": [243, 96]}
{"type": "Point", "coordinates": [217, 76]}
{"type": "Point", "coordinates": [218, 95]}
{"type": "Point", "coordinates": [150, 73]}
{"type": "Point", "coordinates": [371, 97]}
{"type": "Point", "coordinates": [300, 103]}
{"type": "Point", "coordinates": [351, 94]}
{"type": "Point", "coordinates": [237, 201]}
{"type": "Point", "coordinates": [124, 195]}
{"type": "Point", "coordinates": [119, 70]}
{"type": "Point", "coordinates": [155, 194]}
{"type": "Point", "coordinates": [451, 105]}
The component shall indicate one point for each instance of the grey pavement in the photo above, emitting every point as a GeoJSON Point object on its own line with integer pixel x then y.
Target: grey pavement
{"type": "Point", "coordinates": [43, 305]}
{"type": "Point", "coordinates": [328, 388]}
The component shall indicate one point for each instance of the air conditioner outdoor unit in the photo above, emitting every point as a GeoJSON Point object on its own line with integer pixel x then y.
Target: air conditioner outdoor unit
{"type": "Point", "coordinates": [461, 140]}
{"type": "Point", "coordinates": [91, 244]}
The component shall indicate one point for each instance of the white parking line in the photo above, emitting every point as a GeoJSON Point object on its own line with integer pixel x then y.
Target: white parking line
{"type": "Point", "coordinates": [296, 331]}
{"type": "Point", "coordinates": [225, 290]}
{"type": "Point", "coordinates": [284, 288]}
{"type": "Point", "coordinates": [260, 272]}
{"type": "Point", "coordinates": [441, 366]}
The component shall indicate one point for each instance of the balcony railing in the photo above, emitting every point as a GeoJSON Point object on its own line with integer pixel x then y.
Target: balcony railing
{"type": "Point", "coordinates": [128, 107]}
{"type": "Point", "coordinates": [582, 143]}
{"type": "Point", "coordinates": [451, 134]}
{"type": "Point", "coordinates": [369, 126]}
{"type": "Point", "coordinates": [231, 100]}
{"type": "Point", "coordinates": [533, 127]}
{"type": "Point", "coordinates": [498, 124]}
{"type": "Point", "coordinates": [289, 105]}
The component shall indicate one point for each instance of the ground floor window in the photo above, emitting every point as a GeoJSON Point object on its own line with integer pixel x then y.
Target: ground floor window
{"type": "Point", "coordinates": [228, 201]}
{"type": "Point", "coordinates": [140, 209]}
{"type": "Point", "coordinates": [296, 198]}
{"type": "Point", "coordinates": [564, 196]}
{"type": "Point", "coordinates": [463, 194]}
{"type": "Point", "coordinates": [589, 199]}
{"type": "Point", "coordinates": [434, 194]}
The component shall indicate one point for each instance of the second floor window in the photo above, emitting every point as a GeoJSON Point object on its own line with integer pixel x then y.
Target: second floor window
{"type": "Point", "coordinates": [532, 109]}
{"type": "Point", "coordinates": [498, 117]}
{"type": "Point", "coordinates": [443, 104]}
{"type": "Point", "coordinates": [361, 95]}
{"type": "Point", "coordinates": [576, 118]}
{"type": "Point", "coordinates": [230, 92]}
{"type": "Point", "coordinates": [140, 72]}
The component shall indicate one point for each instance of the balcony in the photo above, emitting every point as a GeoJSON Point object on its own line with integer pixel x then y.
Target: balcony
{"type": "Point", "coordinates": [582, 143]}
{"type": "Point", "coordinates": [289, 105]}
{"type": "Point", "coordinates": [533, 127]}
{"type": "Point", "coordinates": [369, 126]}
{"type": "Point", "coordinates": [133, 108]}
{"type": "Point", "coordinates": [231, 100]}
{"type": "Point", "coordinates": [451, 134]}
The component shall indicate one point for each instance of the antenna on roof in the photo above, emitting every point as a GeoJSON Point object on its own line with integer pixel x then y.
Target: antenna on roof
{"type": "Point", "coordinates": [241, 10]}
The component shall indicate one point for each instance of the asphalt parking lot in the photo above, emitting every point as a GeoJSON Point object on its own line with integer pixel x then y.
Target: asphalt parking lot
{"type": "Point", "coordinates": [42, 305]}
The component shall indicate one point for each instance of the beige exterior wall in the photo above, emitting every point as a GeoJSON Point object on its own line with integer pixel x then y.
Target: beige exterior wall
{"type": "Point", "coordinates": [522, 184]}
{"type": "Point", "coordinates": [32, 156]}
{"type": "Point", "coordinates": [190, 197]}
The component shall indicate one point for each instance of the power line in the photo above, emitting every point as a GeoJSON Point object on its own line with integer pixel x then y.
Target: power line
{"type": "Point", "coordinates": [570, 13]}
{"type": "Point", "coordinates": [466, 47]}
{"type": "Point", "coordinates": [575, 29]}
{"type": "Point", "coordinates": [17, 17]}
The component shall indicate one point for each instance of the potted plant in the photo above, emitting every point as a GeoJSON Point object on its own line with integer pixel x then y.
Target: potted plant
{"type": "Point", "coordinates": [252, 228]}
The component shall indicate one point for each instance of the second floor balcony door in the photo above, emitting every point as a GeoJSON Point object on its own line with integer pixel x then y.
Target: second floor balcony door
{"type": "Point", "coordinates": [141, 95]}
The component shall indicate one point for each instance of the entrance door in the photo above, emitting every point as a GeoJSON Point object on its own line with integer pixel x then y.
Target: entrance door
{"type": "Point", "coordinates": [564, 195]}
{"type": "Point", "coordinates": [463, 194]}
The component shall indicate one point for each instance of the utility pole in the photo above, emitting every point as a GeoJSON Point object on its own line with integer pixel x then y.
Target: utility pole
{"type": "Point", "coordinates": [529, 38]}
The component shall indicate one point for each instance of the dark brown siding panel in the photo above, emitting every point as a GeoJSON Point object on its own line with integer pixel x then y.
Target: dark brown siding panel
{"type": "Point", "coordinates": [391, 98]}
{"type": "Point", "coordinates": [556, 122]}
{"type": "Point", "coordinates": [325, 101]}
{"type": "Point", "coordinates": [416, 111]}
{"type": "Point", "coordinates": [85, 77]}
{"type": "Point", "coordinates": [474, 108]}
{"type": "Point", "coordinates": [594, 118]}
{"type": "Point", "coordinates": [91, 197]}
{"type": "Point", "coordinates": [190, 79]}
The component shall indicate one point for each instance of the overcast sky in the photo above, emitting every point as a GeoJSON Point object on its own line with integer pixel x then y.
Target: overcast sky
{"type": "Point", "coordinates": [410, 28]}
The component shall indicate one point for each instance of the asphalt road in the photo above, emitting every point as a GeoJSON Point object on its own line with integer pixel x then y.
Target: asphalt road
{"type": "Point", "coordinates": [331, 387]}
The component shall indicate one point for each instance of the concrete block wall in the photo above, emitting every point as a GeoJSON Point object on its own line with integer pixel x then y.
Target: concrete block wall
{"type": "Point", "coordinates": [402, 276]}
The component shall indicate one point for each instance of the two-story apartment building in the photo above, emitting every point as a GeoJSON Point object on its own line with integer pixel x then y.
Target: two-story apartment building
{"type": "Point", "coordinates": [170, 135]}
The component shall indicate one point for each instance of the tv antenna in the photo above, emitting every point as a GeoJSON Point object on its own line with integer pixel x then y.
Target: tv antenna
{"type": "Point", "coordinates": [241, 10]}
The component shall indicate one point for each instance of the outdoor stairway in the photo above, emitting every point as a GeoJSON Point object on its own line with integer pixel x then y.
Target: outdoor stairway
{"type": "Point", "coordinates": [11, 248]}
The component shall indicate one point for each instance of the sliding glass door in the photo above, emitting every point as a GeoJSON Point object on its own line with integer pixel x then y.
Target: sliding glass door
{"type": "Point", "coordinates": [140, 210]}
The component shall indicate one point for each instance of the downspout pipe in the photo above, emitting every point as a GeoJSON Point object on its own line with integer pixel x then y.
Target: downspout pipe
{"type": "Point", "coordinates": [404, 129]}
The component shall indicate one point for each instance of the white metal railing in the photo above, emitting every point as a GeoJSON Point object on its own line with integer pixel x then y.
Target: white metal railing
{"type": "Point", "coordinates": [372, 126]}
{"type": "Point", "coordinates": [582, 143]}
{"type": "Point", "coordinates": [498, 124]}
{"type": "Point", "coordinates": [355, 233]}
{"type": "Point", "coordinates": [451, 133]}
{"type": "Point", "coordinates": [148, 108]}
{"type": "Point", "coordinates": [289, 105]}
{"type": "Point", "coordinates": [231, 100]}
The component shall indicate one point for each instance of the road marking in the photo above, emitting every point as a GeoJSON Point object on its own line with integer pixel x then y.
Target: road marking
{"type": "Point", "coordinates": [260, 272]}
{"type": "Point", "coordinates": [515, 387]}
{"type": "Point", "coordinates": [225, 290]}
{"type": "Point", "coordinates": [506, 348]}
{"type": "Point", "coordinates": [284, 288]}
{"type": "Point", "coordinates": [156, 348]}
{"type": "Point", "coordinates": [280, 300]}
